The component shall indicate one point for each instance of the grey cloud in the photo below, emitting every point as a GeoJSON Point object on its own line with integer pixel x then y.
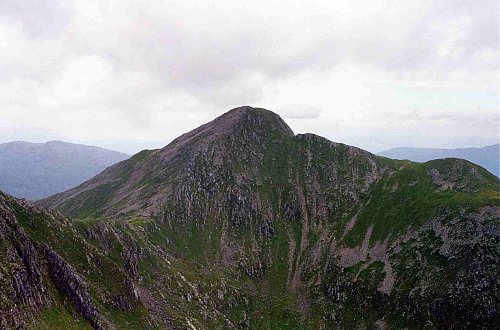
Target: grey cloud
{"type": "Point", "coordinates": [295, 111]}
{"type": "Point", "coordinates": [480, 118]}
{"type": "Point", "coordinates": [38, 18]}
{"type": "Point", "coordinates": [158, 55]}
{"type": "Point", "coordinates": [206, 57]}
{"type": "Point", "coordinates": [27, 133]}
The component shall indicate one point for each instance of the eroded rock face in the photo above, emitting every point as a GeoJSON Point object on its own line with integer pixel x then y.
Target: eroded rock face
{"type": "Point", "coordinates": [71, 285]}
{"type": "Point", "coordinates": [25, 263]}
{"type": "Point", "coordinates": [453, 281]}
{"type": "Point", "coordinates": [23, 291]}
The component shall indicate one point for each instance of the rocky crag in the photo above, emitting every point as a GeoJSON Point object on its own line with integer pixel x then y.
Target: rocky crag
{"type": "Point", "coordinates": [242, 224]}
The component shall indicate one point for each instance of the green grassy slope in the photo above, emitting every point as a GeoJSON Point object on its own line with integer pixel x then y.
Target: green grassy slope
{"type": "Point", "coordinates": [242, 223]}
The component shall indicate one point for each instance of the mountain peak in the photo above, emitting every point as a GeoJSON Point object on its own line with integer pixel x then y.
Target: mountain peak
{"type": "Point", "coordinates": [258, 118]}
{"type": "Point", "coordinates": [245, 118]}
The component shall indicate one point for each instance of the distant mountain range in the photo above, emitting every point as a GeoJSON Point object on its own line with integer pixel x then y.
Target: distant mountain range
{"type": "Point", "coordinates": [37, 170]}
{"type": "Point", "coordinates": [487, 157]}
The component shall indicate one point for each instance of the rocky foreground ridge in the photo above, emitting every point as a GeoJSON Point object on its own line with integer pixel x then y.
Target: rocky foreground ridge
{"type": "Point", "coordinates": [242, 224]}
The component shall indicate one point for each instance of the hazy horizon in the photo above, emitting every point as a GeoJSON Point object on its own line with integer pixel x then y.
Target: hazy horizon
{"type": "Point", "coordinates": [132, 147]}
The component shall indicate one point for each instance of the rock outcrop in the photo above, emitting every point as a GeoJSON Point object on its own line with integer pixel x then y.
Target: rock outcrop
{"type": "Point", "coordinates": [26, 264]}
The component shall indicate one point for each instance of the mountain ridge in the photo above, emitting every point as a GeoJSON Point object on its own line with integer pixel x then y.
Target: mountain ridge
{"type": "Point", "coordinates": [251, 125]}
{"type": "Point", "coordinates": [250, 226]}
{"type": "Point", "coordinates": [487, 156]}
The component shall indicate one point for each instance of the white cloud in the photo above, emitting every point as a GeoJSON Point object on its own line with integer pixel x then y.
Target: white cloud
{"type": "Point", "coordinates": [135, 70]}
{"type": "Point", "coordinates": [299, 111]}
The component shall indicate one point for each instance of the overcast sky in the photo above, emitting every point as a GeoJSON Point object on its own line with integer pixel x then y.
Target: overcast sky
{"type": "Point", "coordinates": [136, 74]}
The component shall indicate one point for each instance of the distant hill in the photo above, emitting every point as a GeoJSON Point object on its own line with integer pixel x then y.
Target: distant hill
{"type": "Point", "coordinates": [37, 170]}
{"type": "Point", "coordinates": [487, 157]}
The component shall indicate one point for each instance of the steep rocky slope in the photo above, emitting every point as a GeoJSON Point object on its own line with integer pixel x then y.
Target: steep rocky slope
{"type": "Point", "coordinates": [57, 273]}
{"type": "Point", "coordinates": [37, 170]}
{"type": "Point", "coordinates": [241, 223]}
{"type": "Point", "coordinates": [37, 280]}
